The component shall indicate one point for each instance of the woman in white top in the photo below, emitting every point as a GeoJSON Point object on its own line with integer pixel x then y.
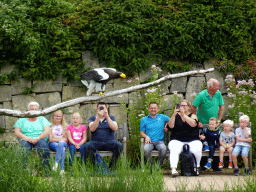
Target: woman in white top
{"type": "Point", "coordinates": [58, 138]}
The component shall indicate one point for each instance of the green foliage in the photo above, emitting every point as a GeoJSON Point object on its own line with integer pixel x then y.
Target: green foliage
{"type": "Point", "coordinates": [15, 177]}
{"type": "Point", "coordinates": [46, 38]}
{"type": "Point", "coordinates": [2, 130]}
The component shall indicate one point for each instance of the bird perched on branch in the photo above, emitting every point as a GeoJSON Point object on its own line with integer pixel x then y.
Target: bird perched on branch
{"type": "Point", "coordinates": [98, 77]}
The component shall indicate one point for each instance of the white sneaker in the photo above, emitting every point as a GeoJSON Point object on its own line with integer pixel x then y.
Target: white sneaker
{"type": "Point", "coordinates": [55, 167]}
{"type": "Point", "coordinates": [174, 173]}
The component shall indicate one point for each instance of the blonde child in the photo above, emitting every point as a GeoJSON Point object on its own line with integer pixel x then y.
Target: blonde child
{"type": "Point", "coordinates": [243, 139]}
{"type": "Point", "coordinates": [227, 141]}
{"type": "Point", "coordinates": [77, 136]}
{"type": "Point", "coordinates": [58, 139]}
{"type": "Point", "coordinates": [210, 139]}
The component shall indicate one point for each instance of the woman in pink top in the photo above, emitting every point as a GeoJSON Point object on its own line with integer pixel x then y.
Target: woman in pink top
{"type": "Point", "coordinates": [77, 136]}
{"type": "Point", "coordinates": [58, 139]}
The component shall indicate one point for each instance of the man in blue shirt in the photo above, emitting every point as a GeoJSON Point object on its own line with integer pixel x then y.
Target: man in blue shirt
{"type": "Point", "coordinates": [102, 127]}
{"type": "Point", "coordinates": [152, 129]}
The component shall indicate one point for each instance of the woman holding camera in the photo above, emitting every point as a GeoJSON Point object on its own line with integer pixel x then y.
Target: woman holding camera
{"type": "Point", "coordinates": [184, 127]}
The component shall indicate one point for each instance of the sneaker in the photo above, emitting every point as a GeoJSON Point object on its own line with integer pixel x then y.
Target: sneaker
{"type": "Point", "coordinates": [55, 167]}
{"type": "Point", "coordinates": [236, 172]}
{"type": "Point", "coordinates": [246, 171]}
{"type": "Point", "coordinates": [221, 164]}
{"type": "Point", "coordinates": [206, 148]}
{"type": "Point", "coordinates": [174, 173]}
{"type": "Point", "coordinates": [230, 165]}
{"type": "Point", "coordinates": [208, 165]}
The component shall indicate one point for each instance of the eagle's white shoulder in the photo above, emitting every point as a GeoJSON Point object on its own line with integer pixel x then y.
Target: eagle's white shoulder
{"type": "Point", "coordinates": [102, 73]}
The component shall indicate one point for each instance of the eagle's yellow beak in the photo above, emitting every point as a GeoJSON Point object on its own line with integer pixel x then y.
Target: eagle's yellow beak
{"type": "Point", "coordinates": [123, 75]}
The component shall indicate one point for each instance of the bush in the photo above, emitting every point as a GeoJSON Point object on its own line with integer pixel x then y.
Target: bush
{"type": "Point", "coordinates": [46, 38]}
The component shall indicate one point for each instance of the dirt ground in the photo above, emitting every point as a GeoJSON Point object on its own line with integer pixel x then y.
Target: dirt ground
{"type": "Point", "coordinates": [207, 181]}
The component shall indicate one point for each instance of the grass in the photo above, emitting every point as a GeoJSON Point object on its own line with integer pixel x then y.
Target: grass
{"type": "Point", "coordinates": [14, 176]}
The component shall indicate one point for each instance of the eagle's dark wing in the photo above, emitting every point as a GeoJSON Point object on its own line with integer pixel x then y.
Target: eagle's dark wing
{"type": "Point", "coordinates": [91, 75]}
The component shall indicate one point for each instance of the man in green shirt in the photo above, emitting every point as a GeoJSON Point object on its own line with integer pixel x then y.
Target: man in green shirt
{"type": "Point", "coordinates": [209, 103]}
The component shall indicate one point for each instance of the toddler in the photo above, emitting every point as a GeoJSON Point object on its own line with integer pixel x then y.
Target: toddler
{"type": "Point", "coordinates": [77, 136]}
{"type": "Point", "coordinates": [210, 139]}
{"type": "Point", "coordinates": [242, 145]}
{"type": "Point", "coordinates": [227, 141]}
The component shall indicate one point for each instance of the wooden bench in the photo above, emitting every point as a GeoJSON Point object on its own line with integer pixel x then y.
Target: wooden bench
{"type": "Point", "coordinates": [204, 153]}
{"type": "Point", "coordinates": [121, 135]}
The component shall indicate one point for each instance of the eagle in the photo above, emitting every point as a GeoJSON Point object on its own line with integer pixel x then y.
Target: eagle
{"type": "Point", "coordinates": [97, 78]}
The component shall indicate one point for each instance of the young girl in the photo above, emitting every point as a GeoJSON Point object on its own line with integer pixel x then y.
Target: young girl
{"type": "Point", "coordinates": [77, 136]}
{"type": "Point", "coordinates": [58, 139]}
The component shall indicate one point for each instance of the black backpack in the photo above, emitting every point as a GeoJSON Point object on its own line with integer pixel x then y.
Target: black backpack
{"type": "Point", "coordinates": [188, 162]}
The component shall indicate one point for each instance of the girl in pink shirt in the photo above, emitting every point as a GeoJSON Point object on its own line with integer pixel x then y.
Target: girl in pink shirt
{"type": "Point", "coordinates": [77, 136]}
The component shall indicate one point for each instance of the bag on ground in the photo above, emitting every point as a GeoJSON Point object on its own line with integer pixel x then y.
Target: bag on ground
{"type": "Point", "coordinates": [188, 162]}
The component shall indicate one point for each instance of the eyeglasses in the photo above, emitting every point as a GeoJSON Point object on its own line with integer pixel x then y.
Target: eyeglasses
{"type": "Point", "coordinates": [57, 116]}
{"type": "Point", "coordinates": [183, 105]}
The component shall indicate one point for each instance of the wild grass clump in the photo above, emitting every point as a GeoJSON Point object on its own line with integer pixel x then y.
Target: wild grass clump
{"type": "Point", "coordinates": [16, 175]}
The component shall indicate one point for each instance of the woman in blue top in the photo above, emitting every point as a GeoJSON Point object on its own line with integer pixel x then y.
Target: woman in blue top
{"type": "Point", "coordinates": [34, 132]}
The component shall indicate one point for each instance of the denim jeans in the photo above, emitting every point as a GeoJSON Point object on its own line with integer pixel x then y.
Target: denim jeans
{"type": "Point", "coordinates": [211, 152]}
{"type": "Point", "coordinates": [157, 145]}
{"type": "Point", "coordinates": [112, 145]}
{"type": "Point", "coordinates": [72, 151]}
{"type": "Point", "coordinates": [60, 149]}
{"type": "Point", "coordinates": [41, 146]}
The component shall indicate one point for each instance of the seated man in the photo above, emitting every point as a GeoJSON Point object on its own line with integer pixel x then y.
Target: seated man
{"type": "Point", "coordinates": [102, 127]}
{"type": "Point", "coordinates": [152, 129]}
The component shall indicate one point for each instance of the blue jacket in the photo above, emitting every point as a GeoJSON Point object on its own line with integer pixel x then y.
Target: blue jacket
{"type": "Point", "coordinates": [211, 136]}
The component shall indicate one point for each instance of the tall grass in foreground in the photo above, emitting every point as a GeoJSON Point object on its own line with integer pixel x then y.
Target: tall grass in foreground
{"type": "Point", "coordinates": [15, 176]}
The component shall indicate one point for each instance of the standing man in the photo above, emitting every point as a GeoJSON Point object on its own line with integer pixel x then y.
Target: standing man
{"type": "Point", "coordinates": [152, 129]}
{"type": "Point", "coordinates": [210, 104]}
{"type": "Point", "coordinates": [102, 127]}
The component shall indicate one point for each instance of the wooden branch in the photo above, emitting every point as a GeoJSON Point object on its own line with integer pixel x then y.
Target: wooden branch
{"type": "Point", "coordinates": [16, 113]}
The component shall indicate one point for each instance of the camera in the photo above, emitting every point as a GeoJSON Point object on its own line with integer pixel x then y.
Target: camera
{"type": "Point", "coordinates": [101, 108]}
{"type": "Point", "coordinates": [177, 105]}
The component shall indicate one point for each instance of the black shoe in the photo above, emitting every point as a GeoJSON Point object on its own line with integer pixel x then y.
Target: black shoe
{"type": "Point", "coordinates": [202, 170]}
{"type": "Point", "coordinates": [246, 171]}
{"type": "Point", "coordinates": [217, 169]}
{"type": "Point", "coordinates": [236, 172]}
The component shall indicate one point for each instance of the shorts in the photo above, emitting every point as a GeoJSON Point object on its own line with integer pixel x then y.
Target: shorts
{"type": "Point", "coordinates": [243, 149]}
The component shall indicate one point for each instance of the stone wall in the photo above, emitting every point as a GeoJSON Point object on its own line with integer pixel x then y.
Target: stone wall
{"type": "Point", "coordinates": [51, 92]}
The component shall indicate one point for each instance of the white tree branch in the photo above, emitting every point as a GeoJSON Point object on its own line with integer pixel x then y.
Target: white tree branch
{"type": "Point", "coordinates": [16, 113]}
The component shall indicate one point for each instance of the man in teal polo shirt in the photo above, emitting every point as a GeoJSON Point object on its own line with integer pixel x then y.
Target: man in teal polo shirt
{"type": "Point", "coordinates": [152, 129]}
{"type": "Point", "coordinates": [209, 103]}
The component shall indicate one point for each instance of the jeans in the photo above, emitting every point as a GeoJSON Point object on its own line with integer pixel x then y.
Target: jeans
{"type": "Point", "coordinates": [41, 146]}
{"type": "Point", "coordinates": [72, 151]}
{"type": "Point", "coordinates": [112, 145]}
{"type": "Point", "coordinates": [211, 152]}
{"type": "Point", "coordinates": [60, 149]}
{"type": "Point", "coordinates": [159, 146]}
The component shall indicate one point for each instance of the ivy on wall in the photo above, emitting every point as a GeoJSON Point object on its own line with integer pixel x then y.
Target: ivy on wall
{"type": "Point", "coordinates": [44, 38]}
